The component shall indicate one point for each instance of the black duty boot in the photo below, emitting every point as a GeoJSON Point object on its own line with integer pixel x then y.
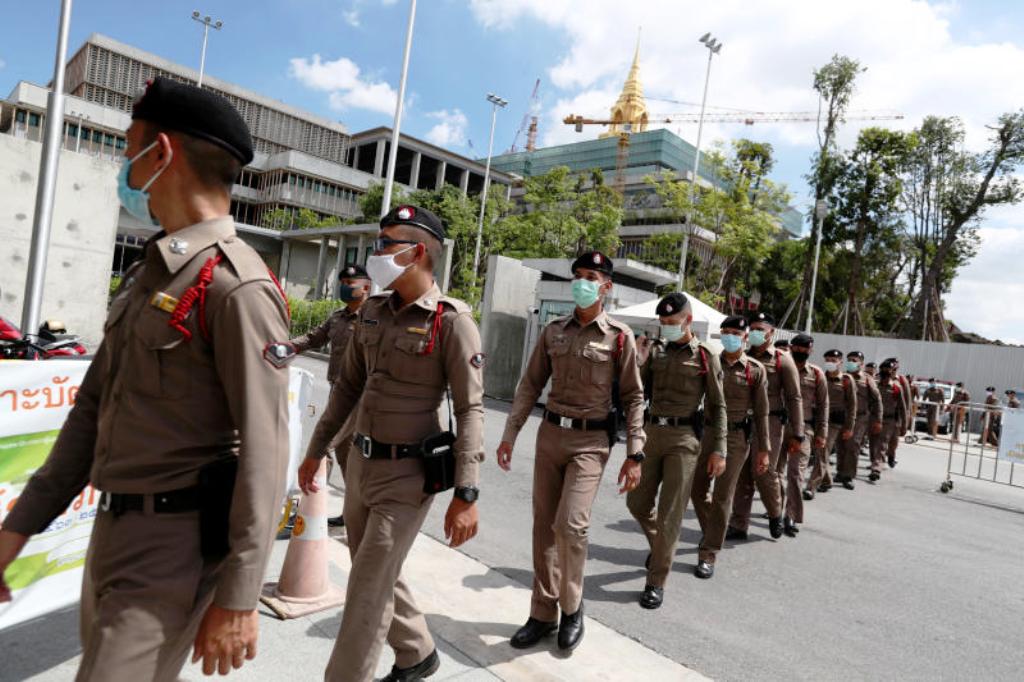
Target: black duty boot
{"type": "Point", "coordinates": [808, 494]}
{"type": "Point", "coordinates": [824, 487]}
{"type": "Point", "coordinates": [775, 527]}
{"type": "Point", "coordinates": [874, 476]}
{"type": "Point", "coordinates": [531, 633]}
{"type": "Point", "coordinates": [789, 528]}
{"type": "Point", "coordinates": [848, 484]}
{"type": "Point", "coordinates": [336, 521]}
{"type": "Point", "coordinates": [892, 461]}
{"type": "Point", "coordinates": [570, 630]}
{"type": "Point", "coordinates": [652, 597]}
{"type": "Point", "coordinates": [424, 668]}
{"type": "Point", "coordinates": [735, 534]}
{"type": "Point", "coordinates": [704, 569]}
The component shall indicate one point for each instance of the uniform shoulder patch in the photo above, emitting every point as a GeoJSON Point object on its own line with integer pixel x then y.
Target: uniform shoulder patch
{"type": "Point", "coordinates": [279, 354]}
{"type": "Point", "coordinates": [478, 360]}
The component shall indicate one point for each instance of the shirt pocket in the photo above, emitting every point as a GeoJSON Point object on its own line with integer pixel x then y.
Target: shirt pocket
{"type": "Point", "coordinates": [599, 365]}
{"type": "Point", "coordinates": [162, 365]}
{"type": "Point", "coordinates": [370, 337]}
{"type": "Point", "coordinates": [412, 364]}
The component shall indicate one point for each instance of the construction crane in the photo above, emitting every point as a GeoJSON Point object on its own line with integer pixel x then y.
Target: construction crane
{"type": "Point", "coordinates": [529, 119]}
{"type": "Point", "coordinates": [746, 118]}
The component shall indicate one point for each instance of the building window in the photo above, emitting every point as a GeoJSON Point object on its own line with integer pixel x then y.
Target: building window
{"type": "Point", "coordinates": [19, 116]}
{"type": "Point", "coordinates": [33, 120]}
{"type": "Point", "coordinates": [72, 130]}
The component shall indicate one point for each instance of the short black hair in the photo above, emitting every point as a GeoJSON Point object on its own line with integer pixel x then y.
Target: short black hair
{"type": "Point", "coordinates": [212, 164]}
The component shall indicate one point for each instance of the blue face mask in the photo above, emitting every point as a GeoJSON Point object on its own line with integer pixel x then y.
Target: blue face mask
{"type": "Point", "coordinates": [585, 292]}
{"type": "Point", "coordinates": [731, 342]}
{"type": "Point", "coordinates": [852, 366]}
{"type": "Point", "coordinates": [758, 337]}
{"type": "Point", "coordinates": [671, 332]}
{"type": "Point", "coordinates": [136, 201]}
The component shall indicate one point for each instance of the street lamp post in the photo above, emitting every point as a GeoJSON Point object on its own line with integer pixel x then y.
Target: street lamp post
{"type": "Point", "coordinates": [714, 47]}
{"type": "Point", "coordinates": [389, 180]}
{"type": "Point", "coordinates": [207, 23]}
{"type": "Point", "coordinates": [820, 209]}
{"type": "Point", "coordinates": [496, 102]}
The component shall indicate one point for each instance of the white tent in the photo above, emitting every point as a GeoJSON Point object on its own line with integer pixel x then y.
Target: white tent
{"type": "Point", "coordinates": [642, 317]}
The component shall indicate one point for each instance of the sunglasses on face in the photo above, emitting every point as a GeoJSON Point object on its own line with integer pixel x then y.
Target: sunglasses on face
{"type": "Point", "coordinates": [382, 243]}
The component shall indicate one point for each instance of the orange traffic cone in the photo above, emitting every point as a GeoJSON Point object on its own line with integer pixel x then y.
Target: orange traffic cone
{"type": "Point", "coordinates": [304, 586]}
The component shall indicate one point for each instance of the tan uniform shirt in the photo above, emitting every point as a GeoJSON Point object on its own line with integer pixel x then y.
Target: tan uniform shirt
{"type": "Point", "coordinates": [1013, 403]}
{"type": "Point", "coordinates": [154, 408]}
{"type": "Point", "coordinates": [935, 395]}
{"type": "Point", "coordinates": [961, 396]}
{"type": "Point", "coordinates": [745, 386]}
{"type": "Point", "coordinates": [399, 385]}
{"type": "Point", "coordinates": [814, 391]}
{"type": "Point", "coordinates": [908, 393]}
{"type": "Point", "coordinates": [582, 364]}
{"type": "Point", "coordinates": [869, 400]}
{"type": "Point", "coordinates": [893, 405]}
{"type": "Point", "coordinates": [783, 387]}
{"type": "Point", "coordinates": [337, 329]}
{"type": "Point", "coordinates": [681, 376]}
{"type": "Point", "coordinates": [842, 400]}
{"type": "Point", "coordinates": [995, 414]}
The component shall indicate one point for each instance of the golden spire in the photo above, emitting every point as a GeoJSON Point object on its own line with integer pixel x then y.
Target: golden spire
{"type": "Point", "coordinates": [630, 110]}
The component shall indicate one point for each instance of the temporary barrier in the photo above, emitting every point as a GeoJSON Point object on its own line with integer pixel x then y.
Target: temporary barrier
{"type": "Point", "coordinates": [994, 455]}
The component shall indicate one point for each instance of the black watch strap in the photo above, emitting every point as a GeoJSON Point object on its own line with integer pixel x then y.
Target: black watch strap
{"type": "Point", "coordinates": [467, 494]}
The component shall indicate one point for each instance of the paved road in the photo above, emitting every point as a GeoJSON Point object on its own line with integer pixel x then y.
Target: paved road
{"type": "Point", "coordinates": [890, 581]}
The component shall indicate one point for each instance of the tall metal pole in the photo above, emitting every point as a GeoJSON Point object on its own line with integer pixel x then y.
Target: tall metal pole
{"type": "Point", "coordinates": [46, 189]}
{"type": "Point", "coordinates": [820, 208]}
{"type": "Point", "coordinates": [202, 55]}
{"type": "Point", "coordinates": [389, 181]}
{"type": "Point", "coordinates": [712, 51]}
{"type": "Point", "coordinates": [496, 102]}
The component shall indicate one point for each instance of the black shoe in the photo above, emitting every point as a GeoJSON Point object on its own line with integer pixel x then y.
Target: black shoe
{"type": "Point", "coordinates": [647, 561]}
{"type": "Point", "coordinates": [652, 597]}
{"type": "Point", "coordinates": [735, 534]}
{"type": "Point", "coordinates": [704, 570]}
{"type": "Point", "coordinates": [425, 668]}
{"type": "Point", "coordinates": [531, 633]}
{"type": "Point", "coordinates": [789, 528]}
{"type": "Point", "coordinates": [874, 476]}
{"type": "Point", "coordinates": [808, 495]}
{"type": "Point", "coordinates": [570, 630]}
{"type": "Point", "coordinates": [824, 487]}
{"type": "Point", "coordinates": [892, 461]}
{"type": "Point", "coordinates": [848, 484]}
{"type": "Point", "coordinates": [336, 521]}
{"type": "Point", "coordinates": [775, 527]}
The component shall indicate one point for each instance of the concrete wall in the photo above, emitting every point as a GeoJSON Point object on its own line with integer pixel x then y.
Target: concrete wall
{"type": "Point", "coordinates": [508, 294]}
{"type": "Point", "coordinates": [82, 238]}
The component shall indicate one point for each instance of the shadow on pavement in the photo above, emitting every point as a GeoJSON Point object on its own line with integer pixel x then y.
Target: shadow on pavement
{"type": "Point", "coordinates": [40, 644]}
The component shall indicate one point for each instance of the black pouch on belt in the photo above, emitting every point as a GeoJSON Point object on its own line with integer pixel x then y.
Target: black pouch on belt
{"type": "Point", "coordinates": [216, 491]}
{"type": "Point", "coordinates": [748, 426]}
{"type": "Point", "coordinates": [698, 423]}
{"type": "Point", "coordinates": [438, 462]}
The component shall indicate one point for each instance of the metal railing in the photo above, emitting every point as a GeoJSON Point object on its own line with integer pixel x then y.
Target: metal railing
{"type": "Point", "coordinates": [991, 458]}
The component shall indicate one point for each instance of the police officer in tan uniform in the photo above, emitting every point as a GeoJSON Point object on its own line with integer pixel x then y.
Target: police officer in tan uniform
{"type": "Point", "coordinates": [583, 355]}
{"type": "Point", "coordinates": [959, 406]}
{"type": "Point", "coordinates": [842, 418]}
{"type": "Point", "coordinates": [869, 419]}
{"type": "Point", "coordinates": [745, 387]}
{"type": "Point", "coordinates": [184, 402]}
{"type": "Point", "coordinates": [337, 329]}
{"type": "Point", "coordinates": [993, 417]}
{"type": "Point", "coordinates": [936, 399]}
{"type": "Point", "coordinates": [908, 391]}
{"type": "Point", "coordinates": [1012, 401]}
{"type": "Point", "coordinates": [680, 373]}
{"type": "Point", "coordinates": [894, 420]}
{"type": "Point", "coordinates": [815, 407]}
{"type": "Point", "coordinates": [409, 346]}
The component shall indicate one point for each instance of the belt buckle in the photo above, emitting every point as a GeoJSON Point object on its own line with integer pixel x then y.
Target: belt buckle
{"type": "Point", "coordinates": [365, 446]}
{"type": "Point", "coordinates": [565, 422]}
{"type": "Point", "coordinates": [105, 501]}
{"type": "Point", "coordinates": [661, 421]}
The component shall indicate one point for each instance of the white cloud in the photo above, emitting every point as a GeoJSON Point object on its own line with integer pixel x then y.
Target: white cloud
{"type": "Point", "coordinates": [341, 78]}
{"type": "Point", "coordinates": [351, 17]}
{"type": "Point", "coordinates": [450, 130]}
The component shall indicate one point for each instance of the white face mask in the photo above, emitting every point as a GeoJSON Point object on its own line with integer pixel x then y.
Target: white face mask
{"type": "Point", "coordinates": [383, 270]}
{"type": "Point", "coordinates": [831, 366]}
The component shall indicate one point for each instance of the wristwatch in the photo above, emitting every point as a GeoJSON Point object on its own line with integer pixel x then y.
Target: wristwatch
{"type": "Point", "coordinates": [799, 439]}
{"type": "Point", "coordinates": [637, 457]}
{"type": "Point", "coordinates": [467, 494]}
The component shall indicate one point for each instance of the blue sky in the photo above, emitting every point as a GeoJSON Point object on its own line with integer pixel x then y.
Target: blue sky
{"type": "Point", "coordinates": [939, 57]}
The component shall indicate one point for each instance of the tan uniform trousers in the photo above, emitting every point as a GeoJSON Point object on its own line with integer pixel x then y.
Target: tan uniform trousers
{"type": "Point", "coordinates": [793, 469]}
{"type": "Point", "coordinates": [959, 414]}
{"type": "Point", "coordinates": [385, 506]}
{"type": "Point", "coordinates": [670, 463]}
{"type": "Point", "coordinates": [767, 483]}
{"type": "Point", "coordinates": [884, 443]}
{"type": "Point", "coordinates": [849, 450]}
{"type": "Point", "coordinates": [144, 593]}
{"type": "Point", "coordinates": [933, 420]}
{"type": "Point", "coordinates": [821, 472]}
{"type": "Point", "coordinates": [566, 476]}
{"type": "Point", "coordinates": [713, 509]}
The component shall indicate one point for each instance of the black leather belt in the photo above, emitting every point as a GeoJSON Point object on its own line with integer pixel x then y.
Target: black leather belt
{"type": "Point", "coordinates": [372, 449]}
{"type": "Point", "coordinates": [889, 416]}
{"type": "Point", "coordinates": [576, 424]}
{"type": "Point", "coordinates": [670, 421]}
{"type": "Point", "coordinates": [172, 502]}
{"type": "Point", "coordinates": [737, 426]}
{"type": "Point", "coordinates": [837, 418]}
{"type": "Point", "coordinates": [778, 413]}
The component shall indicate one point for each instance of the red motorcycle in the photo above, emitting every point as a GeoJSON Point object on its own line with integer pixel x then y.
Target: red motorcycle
{"type": "Point", "coordinates": [52, 341]}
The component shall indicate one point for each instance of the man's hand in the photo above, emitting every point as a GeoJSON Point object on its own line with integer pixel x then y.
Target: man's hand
{"type": "Point", "coordinates": [643, 349]}
{"type": "Point", "coordinates": [819, 442]}
{"type": "Point", "coordinates": [226, 639]}
{"type": "Point", "coordinates": [876, 428]}
{"type": "Point", "coordinates": [847, 434]}
{"type": "Point", "coordinates": [307, 475]}
{"type": "Point", "coordinates": [10, 546]}
{"type": "Point", "coordinates": [794, 446]}
{"type": "Point", "coordinates": [629, 476]}
{"type": "Point", "coordinates": [761, 463]}
{"type": "Point", "coordinates": [505, 455]}
{"type": "Point", "coordinates": [460, 521]}
{"type": "Point", "coordinates": [716, 465]}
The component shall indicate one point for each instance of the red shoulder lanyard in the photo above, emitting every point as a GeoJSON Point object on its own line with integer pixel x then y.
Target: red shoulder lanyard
{"type": "Point", "coordinates": [435, 331]}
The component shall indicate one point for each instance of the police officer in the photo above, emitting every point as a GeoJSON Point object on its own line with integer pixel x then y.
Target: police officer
{"type": "Point", "coordinates": [907, 392]}
{"type": "Point", "coordinates": [785, 430]}
{"type": "Point", "coordinates": [935, 398]}
{"type": "Point", "coordinates": [185, 401]}
{"type": "Point", "coordinates": [894, 420]}
{"type": "Point", "coordinates": [337, 329]}
{"type": "Point", "coordinates": [869, 419]}
{"type": "Point", "coordinates": [745, 387]}
{"type": "Point", "coordinates": [989, 431]}
{"type": "Point", "coordinates": [407, 347]}
{"type": "Point", "coordinates": [583, 354]}
{"type": "Point", "coordinates": [842, 418]}
{"type": "Point", "coordinates": [959, 406]}
{"type": "Point", "coordinates": [871, 369]}
{"type": "Point", "coordinates": [679, 375]}
{"type": "Point", "coordinates": [814, 394]}
{"type": "Point", "coordinates": [1012, 401]}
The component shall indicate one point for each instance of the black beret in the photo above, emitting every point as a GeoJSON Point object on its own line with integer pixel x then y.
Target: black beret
{"type": "Point", "coordinates": [406, 214]}
{"type": "Point", "coordinates": [959, 384]}
{"type": "Point", "coordinates": [886, 364]}
{"type": "Point", "coordinates": [353, 271]}
{"type": "Point", "coordinates": [833, 353]}
{"type": "Point", "coordinates": [762, 317]}
{"type": "Point", "coordinates": [892, 360]}
{"type": "Point", "coordinates": [735, 322]}
{"type": "Point", "coordinates": [1010, 391]}
{"type": "Point", "coordinates": [802, 340]}
{"type": "Point", "coordinates": [870, 365]}
{"type": "Point", "coordinates": [931, 380]}
{"type": "Point", "coordinates": [991, 388]}
{"type": "Point", "coordinates": [856, 354]}
{"type": "Point", "coordinates": [782, 343]}
{"type": "Point", "coordinates": [672, 304]}
{"type": "Point", "coordinates": [593, 260]}
{"type": "Point", "coordinates": [196, 112]}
